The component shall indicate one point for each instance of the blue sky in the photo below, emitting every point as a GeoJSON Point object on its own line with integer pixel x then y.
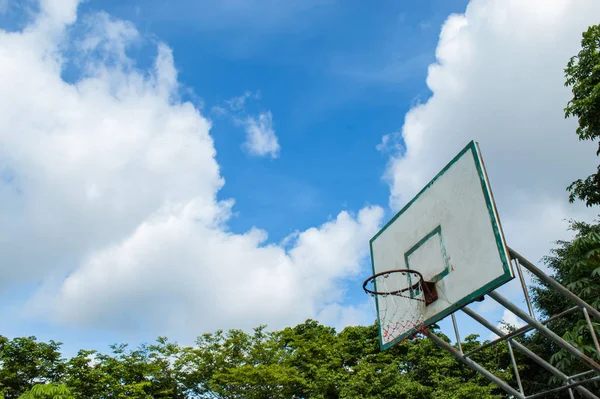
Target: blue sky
{"type": "Point", "coordinates": [336, 78]}
{"type": "Point", "coordinates": [89, 259]}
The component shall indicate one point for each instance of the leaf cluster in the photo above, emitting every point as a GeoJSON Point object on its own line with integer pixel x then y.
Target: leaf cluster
{"type": "Point", "coordinates": [583, 76]}
{"type": "Point", "coordinates": [576, 265]}
{"type": "Point", "coordinates": [309, 360]}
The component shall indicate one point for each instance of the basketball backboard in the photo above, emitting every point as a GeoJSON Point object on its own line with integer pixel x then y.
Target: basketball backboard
{"type": "Point", "coordinates": [451, 234]}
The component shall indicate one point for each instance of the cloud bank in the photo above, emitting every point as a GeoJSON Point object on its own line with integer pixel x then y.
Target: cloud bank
{"type": "Point", "coordinates": [109, 188]}
{"type": "Point", "coordinates": [498, 79]}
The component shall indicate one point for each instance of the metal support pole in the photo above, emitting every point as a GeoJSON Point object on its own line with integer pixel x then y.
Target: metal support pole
{"type": "Point", "coordinates": [524, 286]}
{"type": "Point", "coordinates": [544, 330]}
{"type": "Point", "coordinates": [572, 377]}
{"type": "Point", "coordinates": [514, 363]}
{"type": "Point", "coordinates": [474, 365]}
{"type": "Point", "coordinates": [575, 384]}
{"type": "Point", "coordinates": [456, 333]}
{"type": "Point", "coordinates": [553, 283]}
{"type": "Point", "coordinates": [556, 372]}
{"type": "Point", "coordinates": [522, 331]}
{"type": "Point", "coordinates": [592, 331]}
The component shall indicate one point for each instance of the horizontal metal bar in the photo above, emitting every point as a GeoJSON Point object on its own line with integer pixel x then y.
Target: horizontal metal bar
{"type": "Point", "coordinates": [572, 385]}
{"type": "Point", "coordinates": [473, 365]}
{"type": "Point", "coordinates": [544, 330]}
{"type": "Point", "coordinates": [521, 331]}
{"type": "Point", "coordinates": [553, 370]}
{"type": "Point", "coordinates": [553, 283]}
{"type": "Point", "coordinates": [572, 377]}
{"type": "Point", "coordinates": [487, 345]}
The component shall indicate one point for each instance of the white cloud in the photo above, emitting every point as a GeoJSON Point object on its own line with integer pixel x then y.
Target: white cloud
{"type": "Point", "coordinates": [499, 80]}
{"type": "Point", "coordinates": [508, 320]}
{"type": "Point", "coordinates": [58, 12]}
{"type": "Point", "coordinates": [261, 139]}
{"type": "Point", "coordinates": [218, 110]}
{"type": "Point", "coordinates": [178, 272]}
{"type": "Point", "coordinates": [260, 135]}
{"type": "Point", "coordinates": [109, 37]}
{"type": "Point", "coordinates": [239, 103]}
{"type": "Point", "coordinates": [341, 316]}
{"type": "Point", "coordinates": [109, 197]}
{"type": "Point", "coordinates": [391, 143]}
{"type": "Point", "coordinates": [385, 143]}
{"type": "Point", "coordinates": [90, 160]}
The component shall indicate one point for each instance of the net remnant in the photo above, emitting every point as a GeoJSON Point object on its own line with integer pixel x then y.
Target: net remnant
{"type": "Point", "coordinates": [400, 299]}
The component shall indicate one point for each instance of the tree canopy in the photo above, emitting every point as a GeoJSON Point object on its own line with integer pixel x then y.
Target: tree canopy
{"type": "Point", "coordinates": [583, 76]}
{"type": "Point", "coordinates": [309, 360]}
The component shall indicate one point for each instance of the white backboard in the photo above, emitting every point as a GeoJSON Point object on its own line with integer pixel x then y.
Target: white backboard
{"type": "Point", "coordinates": [450, 232]}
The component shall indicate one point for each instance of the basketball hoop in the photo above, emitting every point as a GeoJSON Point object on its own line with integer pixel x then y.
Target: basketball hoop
{"type": "Point", "coordinates": [402, 297]}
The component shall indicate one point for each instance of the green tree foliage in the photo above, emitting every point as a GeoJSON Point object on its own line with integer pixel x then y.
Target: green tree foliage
{"type": "Point", "coordinates": [24, 362]}
{"type": "Point", "coordinates": [306, 361]}
{"type": "Point", "coordinates": [238, 365]}
{"type": "Point", "coordinates": [314, 350]}
{"type": "Point", "coordinates": [576, 265]}
{"type": "Point", "coordinates": [48, 391]}
{"type": "Point", "coordinates": [143, 373]}
{"type": "Point", "coordinates": [583, 75]}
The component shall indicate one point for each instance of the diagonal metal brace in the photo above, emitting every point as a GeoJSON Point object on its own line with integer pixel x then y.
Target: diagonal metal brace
{"type": "Point", "coordinates": [553, 283]}
{"type": "Point", "coordinates": [553, 370]}
{"type": "Point", "coordinates": [521, 331]}
{"type": "Point", "coordinates": [544, 330]}
{"type": "Point", "coordinates": [473, 365]}
{"type": "Point", "coordinates": [559, 389]}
